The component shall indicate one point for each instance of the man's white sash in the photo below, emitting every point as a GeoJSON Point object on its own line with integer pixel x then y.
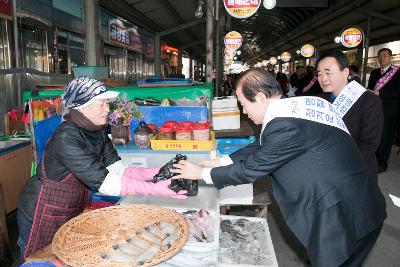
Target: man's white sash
{"type": "Point", "coordinates": [347, 97]}
{"type": "Point", "coordinates": [305, 107]}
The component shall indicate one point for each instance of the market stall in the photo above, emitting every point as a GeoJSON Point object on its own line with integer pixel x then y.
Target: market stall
{"type": "Point", "coordinates": [133, 91]}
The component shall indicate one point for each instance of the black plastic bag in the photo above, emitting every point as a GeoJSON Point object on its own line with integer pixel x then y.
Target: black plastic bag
{"type": "Point", "coordinates": [165, 173]}
{"type": "Point", "coordinates": [191, 186]}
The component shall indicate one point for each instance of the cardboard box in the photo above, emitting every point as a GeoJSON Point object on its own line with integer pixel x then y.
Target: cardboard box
{"type": "Point", "coordinates": [226, 119]}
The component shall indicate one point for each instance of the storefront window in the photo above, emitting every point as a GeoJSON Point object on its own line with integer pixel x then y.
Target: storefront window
{"type": "Point", "coordinates": [5, 53]}
{"type": "Point", "coordinates": [34, 51]}
{"type": "Point", "coordinates": [71, 51]}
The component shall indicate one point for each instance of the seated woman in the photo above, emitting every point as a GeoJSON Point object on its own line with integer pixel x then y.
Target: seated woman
{"type": "Point", "coordinates": [78, 157]}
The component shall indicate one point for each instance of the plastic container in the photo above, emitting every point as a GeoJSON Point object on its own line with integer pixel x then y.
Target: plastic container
{"type": "Point", "coordinates": [201, 131]}
{"type": "Point", "coordinates": [96, 72]}
{"type": "Point", "coordinates": [153, 127]}
{"type": "Point", "coordinates": [183, 134]}
{"type": "Point", "coordinates": [186, 124]}
{"type": "Point", "coordinates": [158, 144]}
{"type": "Point", "coordinates": [165, 133]}
{"type": "Point", "coordinates": [172, 124]}
{"type": "Point", "coordinates": [38, 264]}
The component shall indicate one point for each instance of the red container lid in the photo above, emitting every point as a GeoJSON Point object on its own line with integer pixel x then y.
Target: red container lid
{"type": "Point", "coordinates": [186, 124]}
{"type": "Point", "coordinates": [172, 124]}
{"type": "Point", "coordinates": [183, 130]}
{"type": "Point", "coordinates": [152, 126]}
{"type": "Point", "coordinates": [165, 129]}
{"type": "Point", "coordinates": [201, 126]}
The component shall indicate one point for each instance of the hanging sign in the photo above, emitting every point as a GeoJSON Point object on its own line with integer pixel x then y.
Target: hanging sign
{"type": "Point", "coordinates": [273, 60]}
{"type": "Point", "coordinates": [127, 37]}
{"type": "Point", "coordinates": [233, 40]}
{"type": "Point", "coordinates": [307, 50]}
{"type": "Point", "coordinates": [351, 37]}
{"type": "Point", "coordinates": [286, 56]}
{"type": "Point", "coordinates": [241, 9]}
{"type": "Point", "coordinates": [6, 9]}
{"type": "Point", "coordinates": [230, 53]}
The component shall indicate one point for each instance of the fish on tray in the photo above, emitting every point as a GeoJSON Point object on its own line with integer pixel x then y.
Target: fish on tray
{"type": "Point", "coordinates": [142, 246]}
{"type": "Point", "coordinates": [201, 225]}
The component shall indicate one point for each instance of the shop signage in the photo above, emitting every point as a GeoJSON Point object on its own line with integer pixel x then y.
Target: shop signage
{"type": "Point", "coordinates": [6, 9]}
{"type": "Point", "coordinates": [286, 57]}
{"type": "Point", "coordinates": [273, 60]}
{"type": "Point", "coordinates": [241, 9]}
{"type": "Point", "coordinates": [230, 52]}
{"type": "Point", "coordinates": [233, 40]}
{"type": "Point", "coordinates": [307, 50]}
{"type": "Point", "coordinates": [126, 37]}
{"type": "Point", "coordinates": [351, 37]}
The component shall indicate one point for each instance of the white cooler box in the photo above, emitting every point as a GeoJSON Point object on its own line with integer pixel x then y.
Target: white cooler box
{"type": "Point", "coordinates": [225, 113]}
{"type": "Point", "coordinates": [226, 118]}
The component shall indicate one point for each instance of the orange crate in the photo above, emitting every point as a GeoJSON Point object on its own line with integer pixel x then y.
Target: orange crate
{"type": "Point", "coordinates": [183, 145]}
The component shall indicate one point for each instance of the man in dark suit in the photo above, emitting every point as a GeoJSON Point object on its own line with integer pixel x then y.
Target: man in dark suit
{"type": "Point", "coordinates": [327, 196]}
{"type": "Point", "coordinates": [363, 114]}
{"type": "Point", "coordinates": [385, 82]}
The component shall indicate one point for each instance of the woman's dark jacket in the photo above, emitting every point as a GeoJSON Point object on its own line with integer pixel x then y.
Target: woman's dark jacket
{"type": "Point", "coordinates": [71, 150]}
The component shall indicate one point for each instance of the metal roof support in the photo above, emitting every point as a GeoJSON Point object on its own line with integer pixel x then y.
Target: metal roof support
{"type": "Point", "coordinates": [378, 15]}
{"type": "Point", "coordinates": [366, 48]}
{"type": "Point", "coordinates": [209, 40]}
{"type": "Point", "coordinates": [341, 7]}
{"type": "Point", "coordinates": [217, 50]}
{"type": "Point", "coordinates": [157, 55]}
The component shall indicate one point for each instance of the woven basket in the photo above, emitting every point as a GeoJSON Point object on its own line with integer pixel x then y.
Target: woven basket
{"type": "Point", "coordinates": [82, 240]}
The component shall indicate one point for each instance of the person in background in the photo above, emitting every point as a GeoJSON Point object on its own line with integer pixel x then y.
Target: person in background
{"type": "Point", "coordinates": [297, 80]}
{"type": "Point", "coordinates": [361, 110]}
{"type": "Point", "coordinates": [385, 82]}
{"type": "Point", "coordinates": [335, 208]}
{"type": "Point", "coordinates": [311, 85]}
{"type": "Point", "coordinates": [283, 81]}
{"type": "Point", "coordinates": [77, 158]}
{"type": "Point", "coordinates": [354, 73]}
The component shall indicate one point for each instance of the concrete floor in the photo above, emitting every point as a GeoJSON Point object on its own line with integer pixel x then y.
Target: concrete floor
{"type": "Point", "coordinates": [386, 252]}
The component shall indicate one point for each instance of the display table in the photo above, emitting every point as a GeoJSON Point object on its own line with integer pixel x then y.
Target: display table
{"type": "Point", "coordinates": [133, 91]}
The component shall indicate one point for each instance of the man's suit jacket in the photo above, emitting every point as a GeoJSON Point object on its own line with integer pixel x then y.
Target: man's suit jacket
{"type": "Point", "coordinates": [390, 96]}
{"type": "Point", "coordinates": [391, 90]}
{"type": "Point", "coordinates": [364, 120]}
{"type": "Point", "coordinates": [326, 194]}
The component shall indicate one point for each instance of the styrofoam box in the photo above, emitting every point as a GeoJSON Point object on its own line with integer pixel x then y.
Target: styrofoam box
{"type": "Point", "coordinates": [227, 119]}
{"type": "Point", "coordinates": [224, 102]}
{"type": "Point", "coordinates": [271, 252]}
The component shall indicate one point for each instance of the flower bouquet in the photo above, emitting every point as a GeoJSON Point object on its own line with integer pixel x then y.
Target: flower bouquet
{"type": "Point", "coordinates": [122, 111]}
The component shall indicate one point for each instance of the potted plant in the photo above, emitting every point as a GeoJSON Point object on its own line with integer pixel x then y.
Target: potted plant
{"type": "Point", "coordinates": [121, 113]}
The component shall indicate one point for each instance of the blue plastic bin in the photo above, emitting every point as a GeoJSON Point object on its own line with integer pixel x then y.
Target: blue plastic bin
{"type": "Point", "coordinates": [159, 114]}
{"type": "Point", "coordinates": [229, 145]}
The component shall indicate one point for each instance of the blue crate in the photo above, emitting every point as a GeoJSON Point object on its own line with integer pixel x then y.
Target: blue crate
{"type": "Point", "coordinates": [229, 145]}
{"type": "Point", "coordinates": [159, 114]}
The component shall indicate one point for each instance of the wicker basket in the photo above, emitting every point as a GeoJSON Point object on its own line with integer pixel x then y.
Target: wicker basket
{"type": "Point", "coordinates": [83, 239]}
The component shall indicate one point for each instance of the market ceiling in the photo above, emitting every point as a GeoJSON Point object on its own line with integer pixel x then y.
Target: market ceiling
{"type": "Point", "coordinates": [286, 27]}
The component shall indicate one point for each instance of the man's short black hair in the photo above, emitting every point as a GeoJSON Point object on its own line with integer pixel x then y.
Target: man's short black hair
{"type": "Point", "coordinates": [387, 50]}
{"type": "Point", "coordinates": [257, 80]}
{"type": "Point", "coordinates": [354, 68]}
{"type": "Point", "coordinates": [340, 57]}
{"type": "Point", "coordinates": [299, 67]}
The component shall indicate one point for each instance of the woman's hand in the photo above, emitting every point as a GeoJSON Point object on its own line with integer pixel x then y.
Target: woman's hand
{"type": "Point", "coordinates": [210, 163]}
{"type": "Point", "coordinates": [187, 170]}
